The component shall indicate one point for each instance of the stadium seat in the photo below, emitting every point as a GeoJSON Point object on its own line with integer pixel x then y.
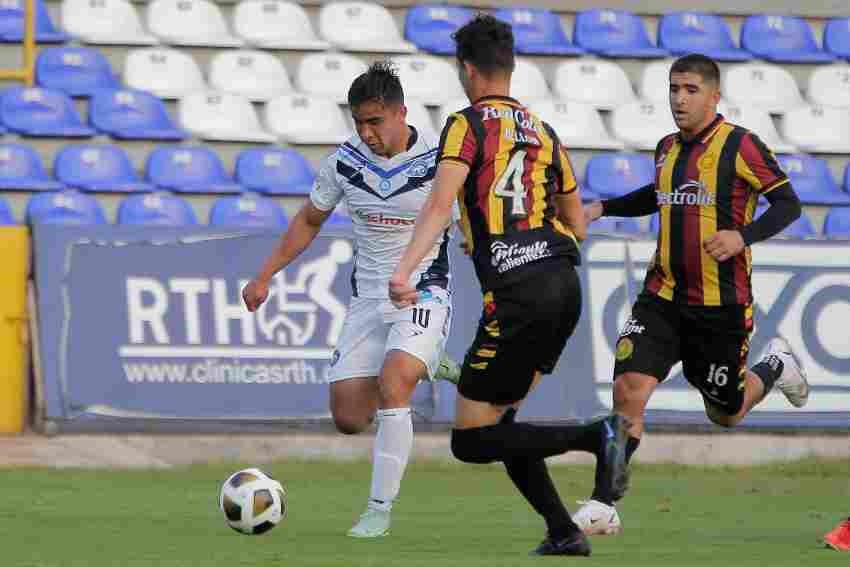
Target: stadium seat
{"type": "Point", "coordinates": [812, 180]}
{"type": "Point", "coordinates": [328, 75]}
{"type": "Point", "coordinates": [818, 129]}
{"type": "Point", "coordinates": [98, 168]}
{"type": "Point", "coordinates": [614, 225]}
{"type": "Point", "coordinates": [613, 175]}
{"type": "Point", "coordinates": [430, 26]}
{"type": "Point", "coordinates": [167, 73]}
{"type": "Point", "coordinates": [130, 114]}
{"type": "Point", "coordinates": [641, 125]}
{"type": "Point", "coordinates": [78, 71]}
{"type": "Point", "coordinates": [256, 75]}
{"type": "Point", "coordinates": [420, 118]}
{"type": "Point", "coordinates": [837, 223]}
{"type": "Point", "coordinates": [800, 228]}
{"type": "Point", "coordinates": [156, 209]}
{"type": "Point", "coordinates": [12, 23]}
{"type": "Point", "coordinates": [628, 226]}
{"type": "Point", "coordinates": [696, 32]}
{"type": "Point", "coordinates": [300, 119]}
{"type": "Point", "coordinates": [67, 207]}
{"type": "Point", "coordinates": [189, 169]}
{"type": "Point", "coordinates": [275, 24]}
{"type": "Point", "coordinates": [190, 22]}
{"type": "Point", "coordinates": [614, 33]}
{"type": "Point", "coordinates": [577, 124]}
{"type": "Point", "coordinates": [248, 210]}
{"type": "Point", "coordinates": [782, 39]}
{"type": "Point", "coordinates": [829, 85]}
{"type": "Point", "coordinates": [274, 171]}
{"type": "Point", "coordinates": [836, 37]}
{"type": "Point", "coordinates": [769, 87]}
{"type": "Point", "coordinates": [756, 120]}
{"type": "Point", "coordinates": [604, 84]}
{"type": "Point", "coordinates": [42, 112]}
{"type": "Point", "coordinates": [528, 82]}
{"type": "Point", "coordinates": [587, 196]}
{"type": "Point", "coordinates": [21, 169]}
{"type": "Point", "coordinates": [428, 79]}
{"type": "Point", "coordinates": [6, 216]}
{"type": "Point", "coordinates": [361, 26]}
{"type": "Point", "coordinates": [655, 81]}
{"type": "Point", "coordinates": [653, 223]}
{"type": "Point", "coordinates": [222, 116]}
{"type": "Point", "coordinates": [105, 22]}
{"type": "Point", "coordinates": [538, 31]}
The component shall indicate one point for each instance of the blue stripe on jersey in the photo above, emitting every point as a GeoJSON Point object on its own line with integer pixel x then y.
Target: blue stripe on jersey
{"type": "Point", "coordinates": [354, 275]}
{"type": "Point", "coordinates": [354, 154]}
{"type": "Point", "coordinates": [438, 272]}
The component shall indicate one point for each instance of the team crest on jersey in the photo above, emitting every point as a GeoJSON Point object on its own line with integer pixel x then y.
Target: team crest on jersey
{"type": "Point", "coordinates": [707, 161]}
{"type": "Point", "coordinates": [418, 169]}
{"type": "Point", "coordinates": [625, 348]}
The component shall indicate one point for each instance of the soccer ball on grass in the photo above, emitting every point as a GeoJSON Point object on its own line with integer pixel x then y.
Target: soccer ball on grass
{"type": "Point", "coordinates": [252, 502]}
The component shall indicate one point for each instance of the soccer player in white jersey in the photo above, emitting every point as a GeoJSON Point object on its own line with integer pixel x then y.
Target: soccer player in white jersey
{"type": "Point", "coordinates": [383, 174]}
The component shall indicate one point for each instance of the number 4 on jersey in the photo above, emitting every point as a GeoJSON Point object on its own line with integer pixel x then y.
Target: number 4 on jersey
{"type": "Point", "coordinates": [513, 175]}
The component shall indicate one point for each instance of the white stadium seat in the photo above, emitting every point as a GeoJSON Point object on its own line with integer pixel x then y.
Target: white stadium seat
{"type": "Point", "coordinates": [447, 108]}
{"type": "Point", "coordinates": [166, 72]}
{"type": "Point", "coordinates": [428, 79]}
{"type": "Point", "coordinates": [328, 74]}
{"type": "Point", "coordinates": [577, 124]}
{"type": "Point", "coordinates": [758, 121]}
{"type": "Point", "coordinates": [420, 118]}
{"type": "Point", "coordinates": [222, 116]}
{"type": "Point", "coordinates": [275, 24]}
{"type": "Point", "coordinates": [190, 22]}
{"type": "Point", "coordinates": [829, 85]}
{"type": "Point", "coordinates": [603, 84]}
{"type": "Point", "coordinates": [769, 87]}
{"type": "Point", "coordinates": [257, 75]}
{"type": "Point", "coordinates": [361, 26]}
{"type": "Point", "coordinates": [818, 129]}
{"type": "Point", "coordinates": [300, 119]}
{"type": "Point", "coordinates": [655, 81]}
{"type": "Point", "coordinates": [641, 124]}
{"type": "Point", "coordinates": [106, 22]}
{"type": "Point", "coordinates": [528, 82]}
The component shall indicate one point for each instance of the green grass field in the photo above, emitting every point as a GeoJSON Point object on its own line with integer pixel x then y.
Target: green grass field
{"type": "Point", "coordinates": [448, 515]}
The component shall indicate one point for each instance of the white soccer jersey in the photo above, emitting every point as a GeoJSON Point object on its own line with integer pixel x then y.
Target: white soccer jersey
{"type": "Point", "coordinates": [383, 197]}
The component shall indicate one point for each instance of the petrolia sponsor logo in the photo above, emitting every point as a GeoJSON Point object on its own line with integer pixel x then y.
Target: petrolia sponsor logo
{"type": "Point", "coordinates": [689, 193]}
{"type": "Point", "coordinates": [384, 220]}
{"type": "Point", "coordinates": [506, 257]}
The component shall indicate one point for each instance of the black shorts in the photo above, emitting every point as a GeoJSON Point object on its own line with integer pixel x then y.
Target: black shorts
{"type": "Point", "coordinates": [523, 329]}
{"type": "Point", "coordinates": [711, 342]}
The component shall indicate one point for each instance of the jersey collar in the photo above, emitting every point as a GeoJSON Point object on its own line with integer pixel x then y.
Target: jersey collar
{"type": "Point", "coordinates": [707, 133]}
{"type": "Point", "coordinates": [498, 98]}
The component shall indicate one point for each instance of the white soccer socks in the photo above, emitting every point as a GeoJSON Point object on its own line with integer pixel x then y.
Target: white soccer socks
{"type": "Point", "coordinates": [393, 443]}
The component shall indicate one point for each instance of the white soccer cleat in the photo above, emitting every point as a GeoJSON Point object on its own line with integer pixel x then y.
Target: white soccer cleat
{"type": "Point", "coordinates": [597, 518]}
{"type": "Point", "coordinates": [372, 523]}
{"type": "Point", "coordinates": [792, 381]}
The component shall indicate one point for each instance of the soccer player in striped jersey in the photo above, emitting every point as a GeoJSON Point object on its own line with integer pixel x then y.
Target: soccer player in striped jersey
{"type": "Point", "coordinates": [522, 218]}
{"type": "Point", "coordinates": [697, 302]}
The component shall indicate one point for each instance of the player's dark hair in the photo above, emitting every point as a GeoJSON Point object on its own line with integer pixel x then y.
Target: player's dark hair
{"type": "Point", "coordinates": [380, 83]}
{"type": "Point", "coordinates": [698, 64]}
{"type": "Point", "coordinates": [487, 43]}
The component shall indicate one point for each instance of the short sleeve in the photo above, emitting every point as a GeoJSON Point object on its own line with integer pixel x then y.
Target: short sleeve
{"type": "Point", "coordinates": [756, 164]}
{"type": "Point", "coordinates": [458, 142]}
{"type": "Point", "coordinates": [326, 192]}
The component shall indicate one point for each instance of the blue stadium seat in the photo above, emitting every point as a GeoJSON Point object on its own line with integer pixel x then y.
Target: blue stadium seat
{"type": "Point", "coordinates": [97, 167]}
{"type": "Point", "coordinates": [837, 222]}
{"type": "Point", "coordinates": [21, 169]}
{"type": "Point", "coordinates": [654, 221]}
{"type": "Point", "coordinates": [64, 207]}
{"type": "Point", "coordinates": [604, 225]}
{"type": "Point", "coordinates": [274, 171]}
{"type": "Point", "coordinates": [247, 210]}
{"type": "Point", "coordinates": [812, 180]}
{"type": "Point", "coordinates": [782, 39]}
{"type": "Point", "coordinates": [430, 26]}
{"type": "Point", "coordinates": [697, 32]}
{"type": "Point", "coordinates": [588, 196]}
{"type": "Point", "coordinates": [6, 216]}
{"type": "Point", "coordinates": [42, 112]}
{"type": "Point", "coordinates": [156, 209]}
{"type": "Point", "coordinates": [615, 174]}
{"type": "Point", "coordinates": [614, 33]}
{"type": "Point", "coordinates": [836, 37]}
{"type": "Point", "coordinates": [12, 23]}
{"type": "Point", "coordinates": [189, 169]}
{"type": "Point", "coordinates": [130, 114]}
{"type": "Point", "coordinates": [79, 71]}
{"type": "Point", "coordinates": [628, 226]}
{"type": "Point", "coordinates": [538, 31]}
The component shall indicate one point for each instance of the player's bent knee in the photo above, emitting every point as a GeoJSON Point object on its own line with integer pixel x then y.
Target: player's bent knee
{"type": "Point", "coordinates": [350, 425]}
{"type": "Point", "coordinates": [467, 446]}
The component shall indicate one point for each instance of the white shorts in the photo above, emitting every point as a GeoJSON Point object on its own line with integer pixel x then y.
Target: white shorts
{"type": "Point", "coordinates": [374, 327]}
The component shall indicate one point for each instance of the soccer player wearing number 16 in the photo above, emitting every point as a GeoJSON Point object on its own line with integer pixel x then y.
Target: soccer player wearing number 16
{"type": "Point", "coordinates": [696, 304]}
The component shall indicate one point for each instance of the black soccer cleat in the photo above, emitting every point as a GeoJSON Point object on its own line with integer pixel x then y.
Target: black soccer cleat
{"type": "Point", "coordinates": [576, 543]}
{"type": "Point", "coordinates": [614, 439]}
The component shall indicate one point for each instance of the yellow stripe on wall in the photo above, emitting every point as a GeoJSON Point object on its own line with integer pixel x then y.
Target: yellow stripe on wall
{"type": "Point", "coordinates": [14, 343]}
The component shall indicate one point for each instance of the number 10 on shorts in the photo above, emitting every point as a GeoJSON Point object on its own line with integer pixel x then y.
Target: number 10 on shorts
{"type": "Point", "coordinates": [718, 375]}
